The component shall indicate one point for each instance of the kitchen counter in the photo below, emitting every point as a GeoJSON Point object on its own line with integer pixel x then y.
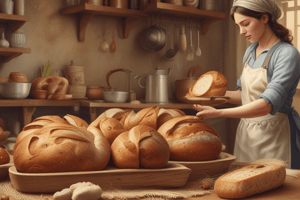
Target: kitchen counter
{"type": "Point", "coordinates": [289, 190]}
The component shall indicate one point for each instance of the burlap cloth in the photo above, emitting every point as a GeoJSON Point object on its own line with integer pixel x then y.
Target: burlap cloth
{"type": "Point", "coordinates": [191, 189]}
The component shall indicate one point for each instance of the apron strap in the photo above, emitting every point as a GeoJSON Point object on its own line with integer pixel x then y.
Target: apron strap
{"type": "Point", "coordinates": [295, 116]}
{"type": "Point", "coordinates": [268, 58]}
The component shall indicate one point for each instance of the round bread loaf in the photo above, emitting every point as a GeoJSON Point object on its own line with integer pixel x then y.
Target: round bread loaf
{"type": "Point", "coordinates": [110, 127]}
{"type": "Point", "coordinates": [4, 156]}
{"type": "Point", "coordinates": [146, 116]}
{"type": "Point", "coordinates": [212, 83]}
{"type": "Point", "coordinates": [37, 124]}
{"type": "Point", "coordinates": [191, 139]}
{"type": "Point", "coordinates": [60, 147]}
{"type": "Point", "coordinates": [142, 146]}
{"type": "Point", "coordinates": [116, 113]}
{"type": "Point", "coordinates": [167, 114]}
{"type": "Point", "coordinates": [76, 121]}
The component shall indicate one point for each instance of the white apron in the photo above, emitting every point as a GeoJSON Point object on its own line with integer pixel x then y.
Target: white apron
{"type": "Point", "coordinates": [261, 137]}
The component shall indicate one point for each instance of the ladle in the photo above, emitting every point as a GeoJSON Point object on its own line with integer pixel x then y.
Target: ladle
{"type": "Point", "coordinates": [176, 48]}
{"type": "Point", "coordinates": [198, 51]}
{"type": "Point", "coordinates": [113, 46]}
{"type": "Point", "coordinates": [171, 52]}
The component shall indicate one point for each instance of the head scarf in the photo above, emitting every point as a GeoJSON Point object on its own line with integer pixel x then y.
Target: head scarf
{"type": "Point", "coordinates": [263, 6]}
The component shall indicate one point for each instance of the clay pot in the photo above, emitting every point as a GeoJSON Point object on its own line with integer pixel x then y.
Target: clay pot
{"type": "Point", "coordinates": [75, 75]}
{"type": "Point", "coordinates": [19, 7]}
{"type": "Point", "coordinates": [94, 92]}
{"type": "Point", "coordinates": [118, 3]}
{"type": "Point", "coordinates": [77, 91]}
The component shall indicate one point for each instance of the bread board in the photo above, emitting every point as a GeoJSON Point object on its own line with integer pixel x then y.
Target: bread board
{"type": "Point", "coordinates": [173, 175]}
{"type": "Point", "coordinates": [211, 168]}
{"type": "Point", "coordinates": [208, 101]}
{"type": "Point", "coordinates": [4, 168]}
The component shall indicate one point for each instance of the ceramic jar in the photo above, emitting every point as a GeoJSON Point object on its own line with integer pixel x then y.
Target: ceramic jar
{"type": "Point", "coordinates": [3, 41]}
{"type": "Point", "coordinates": [118, 3]}
{"type": "Point", "coordinates": [19, 7]}
{"type": "Point", "coordinates": [94, 92]}
{"type": "Point", "coordinates": [209, 5]}
{"type": "Point", "coordinates": [73, 2]}
{"type": "Point", "coordinates": [17, 39]}
{"type": "Point", "coordinates": [7, 6]}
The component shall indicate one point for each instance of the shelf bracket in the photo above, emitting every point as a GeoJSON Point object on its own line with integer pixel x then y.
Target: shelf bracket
{"type": "Point", "coordinates": [8, 58]}
{"type": "Point", "coordinates": [16, 25]}
{"type": "Point", "coordinates": [206, 23]}
{"type": "Point", "coordinates": [84, 19]}
{"type": "Point", "coordinates": [128, 24]}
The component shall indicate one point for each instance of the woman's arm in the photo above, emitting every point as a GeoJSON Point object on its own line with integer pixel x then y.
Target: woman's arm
{"type": "Point", "coordinates": [235, 96]}
{"type": "Point", "coordinates": [256, 108]}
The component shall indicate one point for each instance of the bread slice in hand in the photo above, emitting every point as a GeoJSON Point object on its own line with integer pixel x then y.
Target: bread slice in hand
{"type": "Point", "coordinates": [212, 83]}
{"type": "Point", "coordinates": [257, 177]}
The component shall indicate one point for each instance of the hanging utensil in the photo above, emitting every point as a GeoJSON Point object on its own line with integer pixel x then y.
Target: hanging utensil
{"type": "Point", "coordinates": [113, 45]}
{"type": "Point", "coordinates": [198, 51]}
{"type": "Point", "coordinates": [182, 42]}
{"type": "Point", "coordinates": [171, 52]}
{"type": "Point", "coordinates": [176, 40]}
{"type": "Point", "coordinates": [190, 55]}
{"type": "Point", "coordinates": [104, 44]}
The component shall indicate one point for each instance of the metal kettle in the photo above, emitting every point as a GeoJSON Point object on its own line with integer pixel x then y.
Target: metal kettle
{"type": "Point", "coordinates": [156, 86]}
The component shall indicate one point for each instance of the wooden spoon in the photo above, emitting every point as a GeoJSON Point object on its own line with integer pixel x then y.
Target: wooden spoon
{"type": "Point", "coordinates": [113, 45]}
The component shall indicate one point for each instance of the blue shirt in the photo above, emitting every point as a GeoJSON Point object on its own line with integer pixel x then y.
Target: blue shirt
{"type": "Point", "coordinates": [283, 75]}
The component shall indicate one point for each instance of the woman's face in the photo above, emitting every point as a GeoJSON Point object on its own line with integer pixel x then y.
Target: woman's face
{"type": "Point", "coordinates": [250, 27]}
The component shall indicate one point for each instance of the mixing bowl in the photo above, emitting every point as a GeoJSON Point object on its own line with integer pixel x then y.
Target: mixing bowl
{"type": "Point", "coordinates": [14, 90]}
{"type": "Point", "coordinates": [115, 96]}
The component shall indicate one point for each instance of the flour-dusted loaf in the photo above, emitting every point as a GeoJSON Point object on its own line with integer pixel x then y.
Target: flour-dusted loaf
{"type": "Point", "coordinates": [191, 139]}
{"type": "Point", "coordinates": [212, 83]}
{"type": "Point", "coordinates": [257, 177]}
{"type": "Point", "coordinates": [58, 147]}
{"type": "Point", "coordinates": [142, 146]}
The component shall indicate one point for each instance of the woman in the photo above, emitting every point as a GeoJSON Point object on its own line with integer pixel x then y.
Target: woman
{"type": "Point", "coordinates": [269, 126]}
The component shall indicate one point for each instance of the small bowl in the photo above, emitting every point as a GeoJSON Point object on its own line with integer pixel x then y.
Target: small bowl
{"type": "Point", "coordinates": [115, 96]}
{"type": "Point", "coordinates": [14, 90]}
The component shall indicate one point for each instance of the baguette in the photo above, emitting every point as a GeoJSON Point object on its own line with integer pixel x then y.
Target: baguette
{"type": "Point", "coordinates": [257, 177]}
{"type": "Point", "coordinates": [212, 83]}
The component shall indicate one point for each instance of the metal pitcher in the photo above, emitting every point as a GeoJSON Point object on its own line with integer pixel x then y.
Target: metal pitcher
{"type": "Point", "coordinates": [156, 86]}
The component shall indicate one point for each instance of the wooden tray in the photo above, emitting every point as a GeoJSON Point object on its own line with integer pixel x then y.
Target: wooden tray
{"type": "Point", "coordinates": [4, 168]}
{"type": "Point", "coordinates": [203, 169]}
{"type": "Point", "coordinates": [208, 101]}
{"type": "Point", "coordinates": [173, 175]}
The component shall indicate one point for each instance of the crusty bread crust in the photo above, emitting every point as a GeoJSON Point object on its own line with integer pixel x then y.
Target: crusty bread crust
{"type": "Point", "coordinates": [257, 177]}
{"type": "Point", "coordinates": [191, 139]}
{"type": "Point", "coordinates": [142, 146]}
{"type": "Point", "coordinates": [60, 147]}
{"type": "Point", "coordinates": [217, 87]}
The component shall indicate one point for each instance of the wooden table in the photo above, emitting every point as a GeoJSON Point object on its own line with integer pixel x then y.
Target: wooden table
{"type": "Point", "coordinates": [29, 105]}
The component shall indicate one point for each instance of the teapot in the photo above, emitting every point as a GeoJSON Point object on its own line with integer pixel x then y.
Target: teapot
{"type": "Point", "coordinates": [156, 86]}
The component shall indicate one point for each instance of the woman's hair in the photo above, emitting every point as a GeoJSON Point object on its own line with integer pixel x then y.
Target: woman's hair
{"type": "Point", "coordinates": [280, 31]}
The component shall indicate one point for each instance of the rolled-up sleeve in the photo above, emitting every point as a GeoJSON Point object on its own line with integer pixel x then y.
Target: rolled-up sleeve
{"type": "Point", "coordinates": [286, 69]}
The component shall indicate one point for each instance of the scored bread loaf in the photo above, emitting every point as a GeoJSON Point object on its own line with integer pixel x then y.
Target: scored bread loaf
{"type": "Point", "coordinates": [110, 127]}
{"type": "Point", "coordinates": [116, 113]}
{"type": "Point", "coordinates": [38, 123]}
{"type": "Point", "coordinates": [191, 139]}
{"type": "Point", "coordinates": [167, 114]}
{"type": "Point", "coordinates": [142, 146]}
{"type": "Point", "coordinates": [60, 147]}
{"type": "Point", "coordinates": [257, 177]}
{"type": "Point", "coordinates": [146, 116]}
{"type": "Point", "coordinates": [76, 121]}
{"type": "Point", "coordinates": [212, 83]}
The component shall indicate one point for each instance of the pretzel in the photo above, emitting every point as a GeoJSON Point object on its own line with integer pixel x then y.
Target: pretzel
{"type": "Point", "coordinates": [54, 85]}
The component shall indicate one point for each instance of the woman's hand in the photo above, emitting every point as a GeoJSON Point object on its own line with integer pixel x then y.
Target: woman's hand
{"type": "Point", "coordinates": [206, 111]}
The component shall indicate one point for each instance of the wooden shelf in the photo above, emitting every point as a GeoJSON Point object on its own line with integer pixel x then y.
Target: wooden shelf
{"type": "Point", "coordinates": [207, 17]}
{"type": "Point", "coordinates": [87, 11]}
{"type": "Point", "coordinates": [14, 21]}
{"type": "Point", "coordinates": [9, 53]}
